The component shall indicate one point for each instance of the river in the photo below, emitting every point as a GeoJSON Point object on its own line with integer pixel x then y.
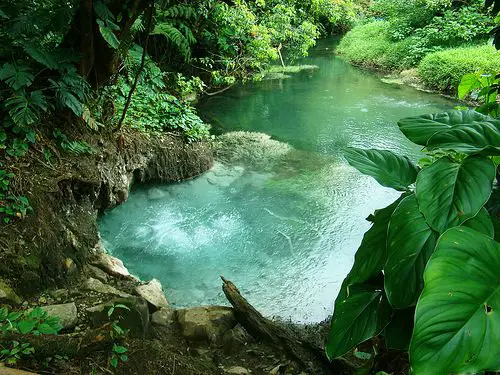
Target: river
{"type": "Point", "coordinates": [286, 235]}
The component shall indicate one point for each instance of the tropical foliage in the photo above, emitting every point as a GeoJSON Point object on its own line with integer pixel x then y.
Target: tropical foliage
{"type": "Point", "coordinates": [409, 270]}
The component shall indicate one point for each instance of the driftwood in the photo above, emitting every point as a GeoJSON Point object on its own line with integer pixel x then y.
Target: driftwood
{"type": "Point", "coordinates": [308, 355]}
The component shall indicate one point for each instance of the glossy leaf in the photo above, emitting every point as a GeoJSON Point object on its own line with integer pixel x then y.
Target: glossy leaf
{"type": "Point", "coordinates": [398, 332]}
{"type": "Point", "coordinates": [449, 193]}
{"type": "Point", "coordinates": [26, 326]}
{"type": "Point", "coordinates": [372, 254]}
{"type": "Point", "coordinates": [410, 244]}
{"type": "Point", "coordinates": [481, 223]}
{"type": "Point", "coordinates": [389, 169]}
{"type": "Point", "coordinates": [420, 129]}
{"type": "Point", "coordinates": [360, 315]}
{"type": "Point", "coordinates": [481, 137]}
{"type": "Point", "coordinates": [457, 322]}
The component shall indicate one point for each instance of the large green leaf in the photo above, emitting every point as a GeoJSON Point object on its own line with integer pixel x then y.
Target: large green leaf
{"type": "Point", "coordinates": [360, 314]}
{"type": "Point", "coordinates": [398, 332]}
{"type": "Point", "coordinates": [372, 254]}
{"type": "Point", "coordinates": [480, 137]}
{"type": "Point", "coordinates": [449, 193]}
{"type": "Point", "coordinates": [108, 35]}
{"type": "Point", "coordinates": [481, 223]}
{"type": "Point", "coordinates": [457, 321]}
{"type": "Point", "coordinates": [420, 128]}
{"type": "Point", "coordinates": [410, 244]}
{"type": "Point", "coordinates": [389, 169]}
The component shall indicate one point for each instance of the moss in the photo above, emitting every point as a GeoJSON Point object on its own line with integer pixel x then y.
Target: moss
{"type": "Point", "coordinates": [443, 70]}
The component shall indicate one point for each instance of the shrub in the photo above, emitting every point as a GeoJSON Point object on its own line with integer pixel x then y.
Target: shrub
{"type": "Point", "coordinates": [369, 45]}
{"type": "Point", "coordinates": [443, 70]}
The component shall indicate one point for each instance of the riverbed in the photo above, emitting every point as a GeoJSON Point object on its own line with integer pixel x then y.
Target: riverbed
{"type": "Point", "coordinates": [285, 232]}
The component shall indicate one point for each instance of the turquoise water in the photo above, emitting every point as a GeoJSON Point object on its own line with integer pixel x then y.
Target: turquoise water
{"type": "Point", "coordinates": [286, 233]}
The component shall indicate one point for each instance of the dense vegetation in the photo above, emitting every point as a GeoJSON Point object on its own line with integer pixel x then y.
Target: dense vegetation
{"type": "Point", "coordinates": [444, 39]}
{"type": "Point", "coordinates": [424, 278]}
{"type": "Point", "coordinates": [107, 65]}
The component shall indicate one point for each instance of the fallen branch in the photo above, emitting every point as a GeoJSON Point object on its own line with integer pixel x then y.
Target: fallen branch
{"type": "Point", "coordinates": [309, 356]}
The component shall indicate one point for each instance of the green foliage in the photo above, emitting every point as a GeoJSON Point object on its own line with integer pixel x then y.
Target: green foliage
{"type": "Point", "coordinates": [118, 352]}
{"type": "Point", "coordinates": [72, 146]}
{"type": "Point", "coordinates": [444, 70]}
{"type": "Point", "coordinates": [483, 87]}
{"type": "Point", "coordinates": [12, 207]}
{"type": "Point", "coordinates": [30, 322]}
{"type": "Point", "coordinates": [420, 247]}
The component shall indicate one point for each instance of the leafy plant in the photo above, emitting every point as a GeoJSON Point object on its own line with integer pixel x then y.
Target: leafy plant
{"type": "Point", "coordinates": [411, 263]}
{"type": "Point", "coordinates": [483, 87]}
{"type": "Point", "coordinates": [75, 147]}
{"type": "Point", "coordinates": [30, 322]}
{"type": "Point", "coordinates": [11, 206]}
{"type": "Point", "coordinates": [118, 352]}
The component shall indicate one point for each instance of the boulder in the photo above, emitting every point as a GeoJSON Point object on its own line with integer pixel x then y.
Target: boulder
{"type": "Point", "coordinates": [111, 265]}
{"type": "Point", "coordinates": [7, 294]}
{"type": "Point", "coordinates": [153, 293]}
{"type": "Point", "coordinates": [97, 273]}
{"type": "Point", "coordinates": [97, 286]}
{"type": "Point", "coordinates": [67, 313]}
{"type": "Point", "coordinates": [235, 339]}
{"type": "Point", "coordinates": [208, 323]}
{"type": "Point", "coordinates": [135, 318]}
{"type": "Point", "coordinates": [164, 317]}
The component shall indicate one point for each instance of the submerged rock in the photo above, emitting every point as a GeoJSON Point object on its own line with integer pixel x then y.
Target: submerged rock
{"type": "Point", "coordinates": [7, 294]}
{"type": "Point", "coordinates": [153, 293]}
{"type": "Point", "coordinates": [208, 323]}
{"type": "Point", "coordinates": [67, 313]}
{"type": "Point", "coordinates": [256, 150]}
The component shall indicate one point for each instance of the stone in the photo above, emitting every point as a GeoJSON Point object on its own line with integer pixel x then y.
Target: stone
{"type": "Point", "coordinates": [153, 293]}
{"type": "Point", "coordinates": [164, 317]}
{"type": "Point", "coordinates": [208, 323]}
{"type": "Point", "coordinates": [59, 293]}
{"type": "Point", "coordinates": [111, 265]}
{"type": "Point", "coordinates": [42, 300]}
{"type": "Point", "coordinates": [235, 339]}
{"type": "Point", "coordinates": [7, 294]}
{"type": "Point", "coordinates": [136, 319]}
{"type": "Point", "coordinates": [237, 370]}
{"type": "Point", "coordinates": [97, 286]}
{"type": "Point", "coordinates": [67, 313]}
{"type": "Point", "coordinates": [97, 273]}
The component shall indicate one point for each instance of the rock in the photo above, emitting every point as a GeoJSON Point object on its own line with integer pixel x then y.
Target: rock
{"type": "Point", "coordinates": [153, 293]}
{"type": "Point", "coordinates": [59, 293]}
{"type": "Point", "coordinates": [164, 317]}
{"type": "Point", "coordinates": [67, 313]}
{"type": "Point", "coordinates": [7, 294]}
{"type": "Point", "coordinates": [42, 300]}
{"type": "Point", "coordinates": [237, 370]}
{"type": "Point", "coordinates": [206, 323]}
{"type": "Point", "coordinates": [111, 265]}
{"type": "Point", "coordinates": [235, 339]}
{"type": "Point", "coordinates": [97, 286]}
{"type": "Point", "coordinates": [97, 273]}
{"type": "Point", "coordinates": [136, 319]}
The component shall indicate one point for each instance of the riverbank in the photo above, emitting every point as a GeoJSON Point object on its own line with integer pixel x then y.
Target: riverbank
{"type": "Point", "coordinates": [438, 69]}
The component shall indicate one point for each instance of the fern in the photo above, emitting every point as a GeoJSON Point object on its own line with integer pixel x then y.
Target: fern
{"type": "Point", "coordinates": [175, 37]}
{"type": "Point", "coordinates": [25, 109]}
{"type": "Point", "coordinates": [16, 76]}
{"type": "Point", "coordinates": [179, 11]}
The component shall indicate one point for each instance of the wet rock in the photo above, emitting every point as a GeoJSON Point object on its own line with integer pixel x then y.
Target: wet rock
{"type": "Point", "coordinates": [111, 265]}
{"type": "Point", "coordinates": [237, 370]}
{"type": "Point", "coordinates": [97, 286]}
{"type": "Point", "coordinates": [97, 273]}
{"type": "Point", "coordinates": [136, 319]}
{"type": "Point", "coordinates": [7, 294]}
{"type": "Point", "coordinates": [235, 339]}
{"type": "Point", "coordinates": [206, 323]}
{"type": "Point", "coordinates": [153, 293]}
{"type": "Point", "coordinates": [164, 317]}
{"type": "Point", "coordinates": [67, 313]}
